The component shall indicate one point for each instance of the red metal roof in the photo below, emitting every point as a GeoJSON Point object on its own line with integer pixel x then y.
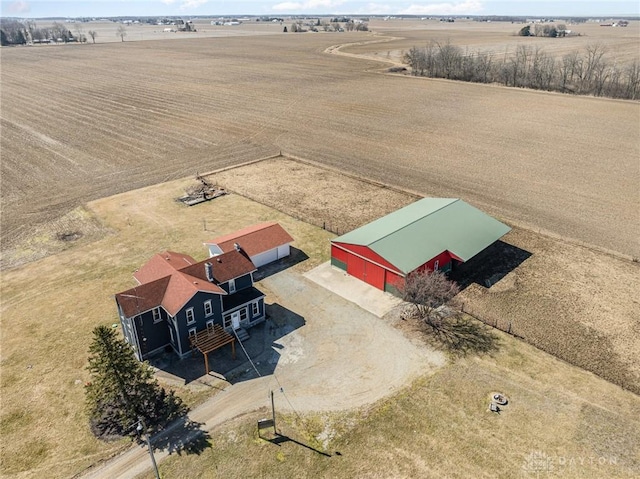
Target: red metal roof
{"type": "Point", "coordinates": [171, 279]}
{"type": "Point", "coordinates": [254, 239]}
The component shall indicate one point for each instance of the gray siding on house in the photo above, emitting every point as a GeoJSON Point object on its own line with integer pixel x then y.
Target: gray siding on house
{"type": "Point", "coordinates": [197, 303]}
{"type": "Point", "coordinates": [242, 282]}
{"type": "Point", "coordinates": [244, 301]}
{"type": "Point", "coordinates": [153, 336]}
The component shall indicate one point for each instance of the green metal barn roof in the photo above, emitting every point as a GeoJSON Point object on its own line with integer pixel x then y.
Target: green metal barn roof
{"type": "Point", "coordinates": [411, 236]}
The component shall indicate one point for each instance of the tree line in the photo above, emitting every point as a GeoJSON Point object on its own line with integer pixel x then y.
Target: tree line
{"type": "Point", "coordinates": [15, 32]}
{"type": "Point", "coordinates": [587, 72]}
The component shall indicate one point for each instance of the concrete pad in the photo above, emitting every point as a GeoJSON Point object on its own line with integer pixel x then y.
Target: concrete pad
{"type": "Point", "coordinates": [370, 299]}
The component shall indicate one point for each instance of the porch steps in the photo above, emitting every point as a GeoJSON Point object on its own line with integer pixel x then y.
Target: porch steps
{"type": "Point", "coordinates": [242, 334]}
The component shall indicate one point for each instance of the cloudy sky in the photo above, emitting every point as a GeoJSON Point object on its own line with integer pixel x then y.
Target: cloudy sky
{"type": "Point", "coordinates": [105, 8]}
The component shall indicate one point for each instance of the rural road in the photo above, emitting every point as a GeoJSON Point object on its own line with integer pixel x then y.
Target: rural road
{"type": "Point", "coordinates": [343, 357]}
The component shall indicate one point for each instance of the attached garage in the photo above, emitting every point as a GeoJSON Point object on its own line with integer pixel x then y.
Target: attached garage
{"type": "Point", "coordinates": [430, 234]}
{"type": "Point", "coordinates": [263, 243]}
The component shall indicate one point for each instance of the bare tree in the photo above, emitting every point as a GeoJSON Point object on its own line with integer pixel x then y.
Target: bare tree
{"type": "Point", "coordinates": [59, 32]}
{"type": "Point", "coordinates": [450, 59]}
{"type": "Point", "coordinates": [428, 290]}
{"type": "Point", "coordinates": [121, 32]}
{"type": "Point", "coordinates": [80, 37]}
{"type": "Point", "coordinates": [632, 74]}
{"type": "Point", "coordinates": [592, 65]}
{"type": "Point", "coordinates": [93, 34]}
{"type": "Point", "coordinates": [484, 64]}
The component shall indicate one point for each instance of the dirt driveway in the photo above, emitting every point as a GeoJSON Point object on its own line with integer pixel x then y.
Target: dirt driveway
{"type": "Point", "coordinates": [341, 357]}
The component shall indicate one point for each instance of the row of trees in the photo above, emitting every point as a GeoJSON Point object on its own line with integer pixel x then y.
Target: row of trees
{"type": "Point", "coordinates": [550, 31]}
{"type": "Point", "coordinates": [588, 72]}
{"type": "Point", "coordinates": [14, 32]}
{"type": "Point", "coordinates": [350, 26]}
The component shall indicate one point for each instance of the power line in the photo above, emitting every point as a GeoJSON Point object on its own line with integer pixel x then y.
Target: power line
{"type": "Point", "coordinates": [260, 375]}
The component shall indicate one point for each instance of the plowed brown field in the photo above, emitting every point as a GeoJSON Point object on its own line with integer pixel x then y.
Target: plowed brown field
{"type": "Point", "coordinates": [83, 122]}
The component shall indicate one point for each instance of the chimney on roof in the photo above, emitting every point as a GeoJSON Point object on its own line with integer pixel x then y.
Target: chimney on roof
{"type": "Point", "coordinates": [237, 247]}
{"type": "Point", "coordinates": [208, 269]}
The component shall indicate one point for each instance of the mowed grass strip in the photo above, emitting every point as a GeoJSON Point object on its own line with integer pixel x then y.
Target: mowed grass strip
{"type": "Point", "coordinates": [576, 424]}
{"type": "Point", "coordinates": [49, 308]}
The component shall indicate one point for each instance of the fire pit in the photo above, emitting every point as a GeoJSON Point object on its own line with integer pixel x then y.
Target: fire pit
{"type": "Point", "coordinates": [499, 399]}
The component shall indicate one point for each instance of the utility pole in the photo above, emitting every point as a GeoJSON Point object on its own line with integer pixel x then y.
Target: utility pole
{"type": "Point", "coordinates": [273, 413]}
{"type": "Point", "coordinates": [143, 428]}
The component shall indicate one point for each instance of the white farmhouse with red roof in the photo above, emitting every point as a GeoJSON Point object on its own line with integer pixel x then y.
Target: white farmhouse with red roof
{"type": "Point", "coordinates": [263, 243]}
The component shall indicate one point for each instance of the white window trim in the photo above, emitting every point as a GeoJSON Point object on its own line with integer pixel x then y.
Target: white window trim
{"type": "Point", "coordinates": [232, 286]}
{"type": "Point", "coordinates": [157, 317]}
{"type": "Point", "coordinates": [208, 304]}
{"type": "Point", "coordinates": [189, 312]}
{"type": "Point", "coordinates": [242, 311]}
{"type": "Point", "coordinates": [255, 309]}
{"type": "Point", "coordinates": [192, 332]}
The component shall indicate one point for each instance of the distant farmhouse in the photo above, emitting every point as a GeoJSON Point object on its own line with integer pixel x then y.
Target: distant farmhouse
{"type": "Point", "coordinates": [430, 234]}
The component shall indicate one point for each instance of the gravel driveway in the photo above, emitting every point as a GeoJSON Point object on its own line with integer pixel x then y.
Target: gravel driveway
{"type": "Point", "coordinates": [343, 357]}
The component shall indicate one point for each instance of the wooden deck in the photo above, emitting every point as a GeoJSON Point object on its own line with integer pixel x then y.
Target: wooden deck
{"type": "Point", "coordinates": [211, 339]}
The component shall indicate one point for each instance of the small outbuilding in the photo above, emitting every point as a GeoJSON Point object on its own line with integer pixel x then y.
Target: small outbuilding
{"type": "Point", "coordinates": [263, 243]}
{"type": "Point", "coordinates": [430, 234]}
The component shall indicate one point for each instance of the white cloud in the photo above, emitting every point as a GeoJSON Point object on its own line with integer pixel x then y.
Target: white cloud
{"type": "Point", "coordinates": [306, 6]}
{"type": "Point", "coordinates": [18, 7]}
{"type": "Point", "coordinates": [287, 7]}
{"type": "Point", "coordinates": [449, 8]}
{"type": "Point", "coordinates": [186, 4]}
{"type": "Point", "coordinates": [376, 9]}
{"type": "Point", "coordinates": [192, 4]}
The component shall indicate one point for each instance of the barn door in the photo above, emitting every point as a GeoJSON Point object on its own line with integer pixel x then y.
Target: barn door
{"type": "Point", "coordinates": [356, 267]}
{"type": "Point", "coordinates": [374, 275]}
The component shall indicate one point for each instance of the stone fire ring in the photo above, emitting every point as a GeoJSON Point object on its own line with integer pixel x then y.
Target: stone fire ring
{"type": "Point", "coordinates": [499, 398]}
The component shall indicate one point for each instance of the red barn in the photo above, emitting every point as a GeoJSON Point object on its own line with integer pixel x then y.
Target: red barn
{"type": "Point", "coordinates": [432, 233]}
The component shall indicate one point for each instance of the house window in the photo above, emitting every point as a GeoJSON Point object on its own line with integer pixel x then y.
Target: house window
{"type": "Point", "coordinates": [208, 311]}
{"type": "Point", "coordinates": [227, 321]}
{"type": "Point", "coordinates": [210, 325]}
{"type": "Point", "coordinates": [232, 286]}
{"type": "Point", "coordinates": [192, 332]}
{"type": "Point", "coordinates": [243, 314]}
{"type": "Point", "coordinates": [156, 315]}
{"type": "Point", "coordinates": [190, 317]}
{"type": "Point", "coordinates": [255, 309]}
{"type": "Point", "coordinates": [436, 265]}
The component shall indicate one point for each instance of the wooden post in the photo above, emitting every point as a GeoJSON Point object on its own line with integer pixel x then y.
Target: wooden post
{"type": "Point", "coordinates": [273, 414]}
{"type": "Point", "coordinates": [206, 363]}
{"type": "Point", "coordinates": [233, 349]}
